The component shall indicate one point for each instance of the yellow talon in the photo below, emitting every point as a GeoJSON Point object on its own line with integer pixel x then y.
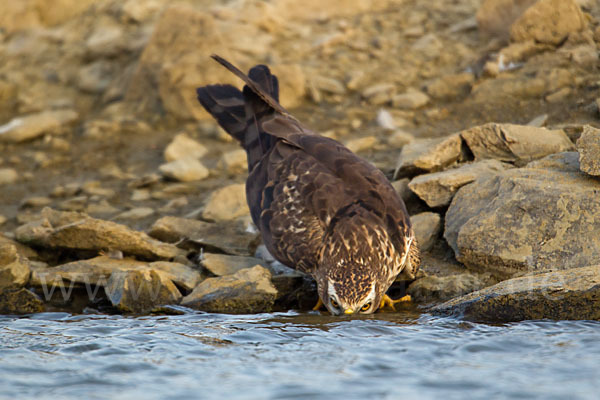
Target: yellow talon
{"type": "Point", "coordinates": [387, 301]}
{"type": "Point", "coordinates": [319, 305]}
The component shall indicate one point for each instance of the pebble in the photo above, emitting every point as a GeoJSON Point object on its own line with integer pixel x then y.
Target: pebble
{"type": "Point", "coordinates": [182, 147]}
{"type": "Point", "coordinates": [385, 120]}
{"type": "Point", "coordinates": [226, 203]}
{"type": "Point", "coordinates": [233, 161]}
{"type": "Point", "coordinates": [136, 213]}
{"type": "Point", "coordinates": [140, 195]}
{"type": "Point", "coordinates": [410, 100]}
{"type": "Point", "coordinates": [184, 170]}
{"type": "Point", "coordinates": [36, 201]}
{"type": "Point", "coordinates": [400, 138]}
{"type": "Point", "coordinates": [29, 127]}
{"type": "Point", "coordinates": [7, 176]}
{"type": "Point", "coordinates": [361, 144]}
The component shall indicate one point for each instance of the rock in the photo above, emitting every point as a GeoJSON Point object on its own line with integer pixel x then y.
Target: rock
{"type": "Point", "coordinates": [78, 231]}
{"type": "Point", "coordinates": [8, 176]}
{"type": "Point", "coordinates": [494, 17]}
{"type": "Point", "coordinates": [380, 93]}
{"type": "Point", "coordinates": [527, 220]}
{"type": "Point", "coordinates": [514, 143]}
{"type": "Point", "coordinates": [95, 77]}
{"type": "Point", "coordinates": [451, 86]}
{"type": "Point", "coordinates": [410, 100]}
{"type": "Point", "coordinates": [184, 170]}
{"type": "Point", "coordinates": [385, 120]}
{"type": "Point", "coordinates": [429, 155]}
{"type": "Point", "coordinates": [182, 146]}
{"type": "Point", "coordinates": [14, 268]}
{"type": "Point", "coordinates": [140, 11]}
{"type": "Point", "coordinates": [441, 288]}
{"type": "Point", "coordinates": [588, 146]}
{"type": "Point", "coordinates": [222, 264]}
{"type": "Point", "coordinates": [401, 187]}
{"type": "Point", "coordinates": [3, 219]}
{"type": "Point", "coordinates": [140, 291]}
{"type": "Point", "coordinates": [106, 40]}
{"type": "Point", "coordinates": [559, 96]}
{"type": "Point", "coordinates": [438, 188]}
{"type": "Point", "coordinates": [328, 85]}
{"type": "Point", "coordinates": [234, 161]}
{"type": "Point", "coordinates": [136, 213]}
{"type": "Point", "coordinates": [100, 129]}
{"type": "Point", "coordinates": [361, 144]}
{"type": "Point", "coordinates": [184, 276]}
{"type": "Point", "coordinates": [400, 138]}
{"type": "Point", "coordinates": [572, 295]}
{"type": "Point", "coordinates": [226, 203]}
{"type": "Point", "coordinates": [548, 21]}
{"type": "Point", "coordinates": [229, 238]}
{"type": "Point", "coordinates": [20, 301]}
{"type": "Point", "coordinates": [247, 291]}
{"type": "Point", "coordinates": [31, 126]}
{"type": "Point", "coordinates": [427, 226]}
{"type": "Point", "coordinates": [35, 201]}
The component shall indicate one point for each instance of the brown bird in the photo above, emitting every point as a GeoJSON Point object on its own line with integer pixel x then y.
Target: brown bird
{"type": "Point", "coordinates": [319, 207]}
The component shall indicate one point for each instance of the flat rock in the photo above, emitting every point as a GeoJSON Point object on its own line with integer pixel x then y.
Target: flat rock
{"type": "Point", "coordinates": [8, 176]}
{"type": "Point", "coordinates": [573, 294]}
{"type": "Point", "coordinates": [78, 231]}
{"type": "Point", "coordinates": [427, 226]}
{"type": "Point", "coordinates": [29, 127]}
{"type": "Point", "coordinates": [548, 21]}
{"type": "Point", "coordinates": [515, 143]}
{"type": "Point", "coordinates": [588, 146]}
{"type": "Point", "coordinates": [401, 187]}
{"type": "Point", "coordinates": [20, 301]}
{"type": "Point", "coordinates": [182, 146]}
{"type": "Point", "coordinates": [434, 288]}
{"type": "Point", "coordinates": [527, 220]}
{"type": "Point", "coordinates": [140, 291]}
{"type": "Point", "coordinates": [14, 268]}
{"type": "Point", "coordinates": [495, 17]}
{"type": "Point", "coordinates": [230, 238]}
{"type": "Point", "coordinates": [410, 100]}
{"type": "Point", "coordinates": [184, 170]}
{"type": "Point", "coordinates": [223, 264]}
{"type": "Point", "coordinates": [438, 188]}
{"type": "Point", "coordinates": [247, 291]}
{"type": "Point", "coordinates": [429, 155]}
{"type": "Point", "coordinates": [136, 213]}
{"type": "Point", "coordinates": [226, 203]}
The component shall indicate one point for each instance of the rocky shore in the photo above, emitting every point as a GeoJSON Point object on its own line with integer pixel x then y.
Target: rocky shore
{"type": "Point", "coordinates": [118, 194]}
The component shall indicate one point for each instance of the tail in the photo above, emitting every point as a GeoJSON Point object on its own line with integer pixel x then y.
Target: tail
{"type": "Point", "coordinates": [241, 113]}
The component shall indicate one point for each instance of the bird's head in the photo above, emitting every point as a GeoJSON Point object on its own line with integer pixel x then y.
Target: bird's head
{"type": "Point", "coordinates": [348, 287]}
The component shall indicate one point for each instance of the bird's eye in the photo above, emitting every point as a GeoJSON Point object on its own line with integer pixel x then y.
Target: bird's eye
{"type": "Point", "coordinates": [334, 303]}
{"type": "Point", "coordinates": [366, 306]}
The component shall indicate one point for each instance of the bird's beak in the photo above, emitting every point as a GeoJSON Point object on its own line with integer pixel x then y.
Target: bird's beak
{"type": "Point", "coordinates": [348, 311]}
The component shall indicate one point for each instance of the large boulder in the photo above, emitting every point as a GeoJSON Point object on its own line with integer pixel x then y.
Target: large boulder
{"type": "Point", "coordinates": [572, 294]}
{"type": "Point", "coordinates": [78, 231]}
{"type": "Point", "coordinates": [526, 220]}
{"type": "Point", "coordinates": [247, 291]}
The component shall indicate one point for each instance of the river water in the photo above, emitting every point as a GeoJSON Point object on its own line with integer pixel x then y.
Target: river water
{"type": "Point", "coordinates": [295, 356]}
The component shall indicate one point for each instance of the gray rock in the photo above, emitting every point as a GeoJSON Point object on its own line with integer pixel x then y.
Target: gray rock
{"type": "Point", "coordinates": [226, 203]}
{"type": "Point", "coordinates": [14, 268]}
{"type": "Point", "coordinates": [427, 226]}
{"type": "Point", "coordinates": [182, 146]}
{"type": "Point", "coordinates": [140, 291]}
{"type": "Point", "coordinates": [588, 146]}
{"type": "Point", "coordinates": [8, 176]}
{"type": "Point", "coordinates": [572, 294]}
{"type": "Point", "coordinates": [184, 170]}
{"type": "Point", "coordinates": [515, 143]}
{"type": "Point", "coordinates": [247, 291]}
{"type": "Point", "coordinates": [527, 220]}
{"type": "Point", "coordinates": [401, 187]}
{"type": "Point", "coordinates": [31, 126]}
{"type": "Point", "coordinates": [438, 188]}
{"type": "Point", "coordinates": [20, 301]}
{"type": "Point", "coordinates": [78, 231]}
{"type": "Point", "coordinates": [429, 155]}
{"type": "Point", "coordinates": [230, 238]}
{"type": "Point", "coordinates": [95, 77]}
{"type": "Point", "coordinates": [434, 288]}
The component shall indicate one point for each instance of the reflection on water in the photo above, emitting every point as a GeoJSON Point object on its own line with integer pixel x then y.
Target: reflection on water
{"type": "Point", "coordinates": [294, 356]}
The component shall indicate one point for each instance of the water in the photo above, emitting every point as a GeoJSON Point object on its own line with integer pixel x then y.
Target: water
{"type": "Point", "coordinates": [294, 356]}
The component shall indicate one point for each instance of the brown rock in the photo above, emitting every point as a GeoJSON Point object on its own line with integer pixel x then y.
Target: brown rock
{"type": "Point", "coordinates": [14, 268]}
{"type": "Point", "coordinates": [572, 294]}
{"type": "Point", "coordinates": [247, 291]}
{"type": "Point", "coordinates": [78, 231]}
{"type": "Point", "coordinates": [494, 17]}
{"type": "Point", "coordinates": [429, 155]}
{"type": "Point", "coordinates": [20, 301]}
{"type": "Point", "coordinates": [8, 176]}
{"type": "Point", "coordinates": [31, 126]}
{"type": "Point", "coordinates": [438, 188]}
{"type": "Point", "coordinates": [226, 203]}
{"type": "Point", "coordinates": [451, 86]}
{"type": "Point", "coordinates": [185, 170]}
{"type": "Point", "coordinates": [441, 288]}
{"type": "Point", "coordinates": [182, 146]}
{"type": "Point", "coordinates": [588, 146]}
{"type": "Point", "coordinates": [514, 143]}
{"type": "Point", "coordinates": [223, 264]}
{"type": "Point", "coordinates": [548, 21]}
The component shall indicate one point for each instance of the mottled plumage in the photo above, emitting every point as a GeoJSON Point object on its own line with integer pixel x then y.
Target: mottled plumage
{"type": "Point", "coordinates": [320, 208]}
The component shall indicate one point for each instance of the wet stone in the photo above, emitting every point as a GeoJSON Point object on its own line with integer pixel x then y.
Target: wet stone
{"type": "Point", "coordinates": [247, 291]}
{"type": "Point", "coordinates": [432, 288]}
{"type": "Point", "coordinates": [14, 268]}
{"type": "Point", "coordinates": [20, 301]}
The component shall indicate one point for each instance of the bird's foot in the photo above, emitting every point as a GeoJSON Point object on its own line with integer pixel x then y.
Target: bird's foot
{"type": "Point", "coordinates": [319, 305]}
{"type": "Point", "coordinates": [387, 301]}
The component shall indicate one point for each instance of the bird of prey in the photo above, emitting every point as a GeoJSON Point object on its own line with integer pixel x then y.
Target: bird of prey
{"type": "Point", "coordinates": [319, 207]}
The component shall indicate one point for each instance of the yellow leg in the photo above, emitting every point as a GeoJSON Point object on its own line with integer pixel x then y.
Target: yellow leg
{"type": "Point", "coordinates": [387, 301]}
{"type": "Point", "coordinates": [319, 305]}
